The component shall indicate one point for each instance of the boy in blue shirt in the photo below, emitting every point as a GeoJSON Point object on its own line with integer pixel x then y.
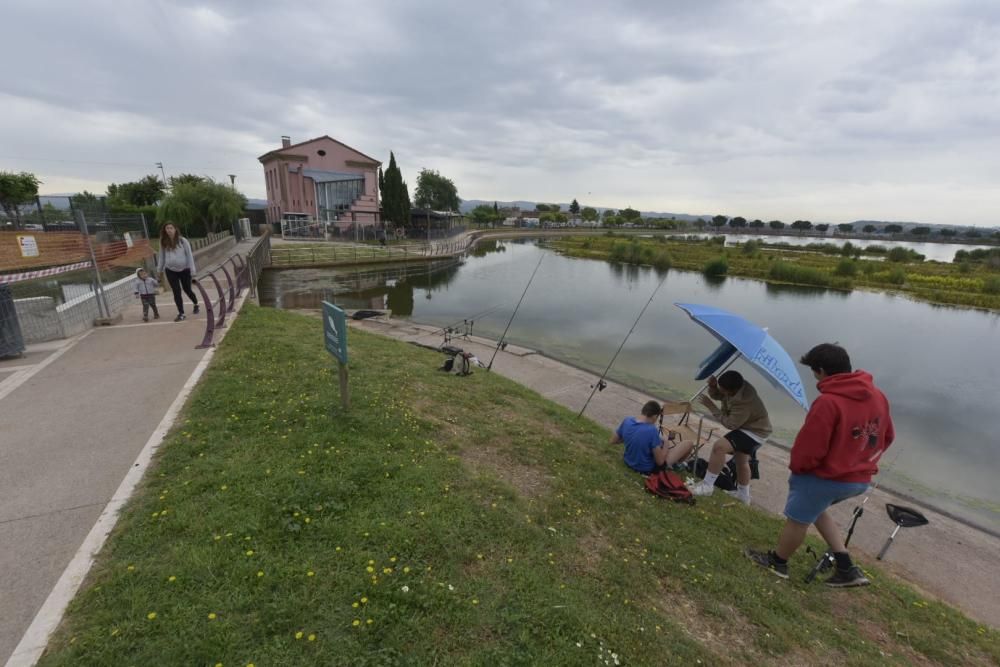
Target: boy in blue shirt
{"type": "Point", "coordinates": [645, 450]}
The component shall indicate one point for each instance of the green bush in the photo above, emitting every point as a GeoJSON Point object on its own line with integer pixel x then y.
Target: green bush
{"type": "Point", "coordinates": [992, 285]}
{"type": "Point", "coordinates": [896, 276]}
{"type": "Point", "coordinates": [964, 267]}
{"type": "Point", "coordinates": [662, 260]}
{"type": "Point", "coordinates": [802, 275]}
{"type": "Point", "coordinates": [619, 251]}
{"type": "Point", "coordinates": [716, 267]}
{"type": "Point", "coordinates": [846, 267]}
{"type": "Point", "coordinates": [586, 245]}
{"type": "Point", "coordinates": [875, 250]}
{"type": "Point", "coordinates": [751, 247]}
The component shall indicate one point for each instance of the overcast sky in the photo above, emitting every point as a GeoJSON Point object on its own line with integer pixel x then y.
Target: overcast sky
{"type": "Point", "coordinates": [826, 110]}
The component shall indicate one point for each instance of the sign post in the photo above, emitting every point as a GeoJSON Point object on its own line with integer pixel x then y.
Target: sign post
{"type": "Point", "coordinates": [335, 336]}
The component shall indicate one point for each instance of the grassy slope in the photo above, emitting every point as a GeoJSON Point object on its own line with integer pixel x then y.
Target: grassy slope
{"type": "Point", "coordinates": [937, 282]}
{"type": "Point", "coordinates": [446, 520]}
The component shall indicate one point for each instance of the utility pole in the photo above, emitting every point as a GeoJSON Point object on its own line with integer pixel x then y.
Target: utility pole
{"type": "Point", "coordinates": [162, 171]}
{"type": "Point", "coordinates": [232, 180]}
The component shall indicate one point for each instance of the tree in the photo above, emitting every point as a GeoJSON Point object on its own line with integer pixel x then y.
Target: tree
{"type": "Point", "coordinates": [574, 207]}
{"type": "Point", "coordinates": [973, 233]}
{"type": "Point", "coordinates": [436, 192]}
{"type": "Point", "coordinates": [608, 213]}
{"type": "Point", "coordinates": [17, 189]}
{"type": "Point", "coordinates": [737, 222]}
{"type": "Point", "coordinates": [381, 182]}
{"type": "Point", "coordinates": [776, 224]}
{"type": "Point", "coordinates": [395, 195]}
{"type": "Point", "coordinates": [846, 228]}
{"type": "Point", "coordinates": [757, 224]}
{"type": "Point", "coordinates": [893, 229]}
{"type": "Point", "coordinates": [541, 207]}
{"type": "Point", "coordinates": [588, 213]}
{"type": "Point", "coordinates": [719, 221]}
{"type": "Point", "coordinates": [921, 231]}
{"type": "Point", "coordinates": [145, 192]}
{"type": "Point", "coordinates": [869, 229]}
{"type": "Point", "coordinates": [201, 207]}
{"type": "Point", "coordinates": [802, 225]}
{"type": "Point", "coordinates": [484, 214]}
{"type": "Point", "coordinates": [180, 179]}
{"type": "Point", "coordinates": [948, 232]}
{"type": "Point", "coordinates": [822, 227]}
{"type": "Point", "coordinates": [700, 223]}
{"type": "Point", "coordinates": [629, 214]}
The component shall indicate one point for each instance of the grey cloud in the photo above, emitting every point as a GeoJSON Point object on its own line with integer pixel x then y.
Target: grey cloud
{"type": "Point", "coordinates": [717, 100]}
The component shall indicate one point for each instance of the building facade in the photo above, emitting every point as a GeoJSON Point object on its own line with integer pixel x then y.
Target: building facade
{"type": "Point", "coordinates": [321, 179]}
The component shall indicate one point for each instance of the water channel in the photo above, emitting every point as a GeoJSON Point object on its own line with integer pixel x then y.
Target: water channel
{"type": "Point", "coordinates": [937, 364]}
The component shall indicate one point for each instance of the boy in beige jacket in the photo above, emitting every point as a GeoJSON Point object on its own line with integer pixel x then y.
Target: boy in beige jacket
{"type": "Point", "coordinates": [744, 414]}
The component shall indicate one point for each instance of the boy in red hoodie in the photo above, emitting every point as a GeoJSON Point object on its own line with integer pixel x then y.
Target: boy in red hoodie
{"type": "Point", "coordinates": [834, 457]}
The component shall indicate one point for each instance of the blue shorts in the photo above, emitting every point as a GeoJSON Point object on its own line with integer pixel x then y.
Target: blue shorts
{"type": "Point", "coordinates": [809, 496]}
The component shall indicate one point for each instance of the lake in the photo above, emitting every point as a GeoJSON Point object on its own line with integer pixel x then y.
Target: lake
{"type": "Point", "coordinates": [938, 365]}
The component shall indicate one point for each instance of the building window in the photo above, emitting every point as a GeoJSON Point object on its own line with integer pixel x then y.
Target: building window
{"type": "Point", "coordinates": [321, 153]}
{"type": "Point", "coordinates": [336, 198]}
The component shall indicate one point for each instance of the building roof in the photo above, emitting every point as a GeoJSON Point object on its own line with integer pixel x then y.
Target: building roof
{"type": "Point", "coordinates": [309, 141]}
{"type": "Point", "coordinates": [320, 176]}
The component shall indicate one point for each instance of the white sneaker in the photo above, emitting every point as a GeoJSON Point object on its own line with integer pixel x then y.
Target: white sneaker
{"type": "Point", "coordinates": [742, 497]}
{"type": "Point", "coordinates": [702, 489]}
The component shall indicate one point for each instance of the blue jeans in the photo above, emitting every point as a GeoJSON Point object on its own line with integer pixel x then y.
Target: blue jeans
{"type": "Point", "coordinates": [809, 496]}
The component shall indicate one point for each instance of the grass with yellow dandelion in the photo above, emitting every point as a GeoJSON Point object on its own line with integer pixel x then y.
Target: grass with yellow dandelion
{"type": "Point", "coordinates": [445, 521]}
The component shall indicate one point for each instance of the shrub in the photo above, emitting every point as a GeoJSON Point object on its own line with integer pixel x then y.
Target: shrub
{"type": "Point", "coordinates": [846, 267]}
{"type": "Point", "coordinates": [662, 260]}
{"type": "Point", "coordinates": [964, 267]}
{"type": "Point", "coordinates": [750, 247]}
{"type": "Point", "coordinates": [619, 251]}
{"type": "Point", "coordinates": [794, 273]}
{"type": "Point", "coordinates": [586, 244]}
{"type": "Point", "coordinates": [875, 250]}
{"type": "Point", "coordinates": [716, 267]}
{"type": "Point", "coordinates": [992, 285]}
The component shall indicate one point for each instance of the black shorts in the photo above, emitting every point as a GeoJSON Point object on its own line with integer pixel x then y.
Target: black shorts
{"type": "Point", "coordinates": [742, 442]}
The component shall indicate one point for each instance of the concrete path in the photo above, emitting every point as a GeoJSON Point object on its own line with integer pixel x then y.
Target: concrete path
{"type": "Point", "coordinates": [74, 416]}
{"type": "Point", "coordinates": [946, 559]}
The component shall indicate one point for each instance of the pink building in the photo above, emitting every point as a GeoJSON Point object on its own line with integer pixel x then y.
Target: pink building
{"type": "Point", "coordinates": [321, 179]}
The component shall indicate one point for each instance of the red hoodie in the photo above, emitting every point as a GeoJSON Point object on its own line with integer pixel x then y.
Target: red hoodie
{"type": "Point", "coordinates": [846, 431]}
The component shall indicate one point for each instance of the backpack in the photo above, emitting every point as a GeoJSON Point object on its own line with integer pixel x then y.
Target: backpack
{"type": "Point", "coordinates": [668, 484]}
{"type": "Point", "coordinates": [727, 476]}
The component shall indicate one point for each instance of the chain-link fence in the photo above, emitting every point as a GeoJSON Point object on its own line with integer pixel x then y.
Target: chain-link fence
{"type": "Point", "coordinates": [70, 273]}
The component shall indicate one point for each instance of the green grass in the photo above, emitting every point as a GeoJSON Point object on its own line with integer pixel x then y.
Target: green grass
{"type": "Point", "coordinates": [445, 520]}
{"type": "Point", "coordinates": [964, 284]}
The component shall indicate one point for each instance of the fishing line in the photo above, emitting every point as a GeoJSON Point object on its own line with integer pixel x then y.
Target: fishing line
{"type": "Point", "coordinates": [500, 342]}
{"type": "Point", "coordinates": [600, 383]}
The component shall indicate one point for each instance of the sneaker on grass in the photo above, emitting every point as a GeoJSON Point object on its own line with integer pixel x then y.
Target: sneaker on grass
{"type": "Point", "coordinates": [742, 497]}
{"type": "Point", "coordinates": [702, 489]}
{"type": "Point", "coordinates": [847, 578]}
{"type": "Point", "coordinates": [766, 560]}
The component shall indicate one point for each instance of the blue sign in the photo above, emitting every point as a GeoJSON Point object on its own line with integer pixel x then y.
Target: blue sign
{"type": "Point", "coordinates": [335, 331]}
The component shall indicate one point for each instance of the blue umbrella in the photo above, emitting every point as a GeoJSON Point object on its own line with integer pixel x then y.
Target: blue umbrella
{"type": "Point", "coordinates": [740, 337]}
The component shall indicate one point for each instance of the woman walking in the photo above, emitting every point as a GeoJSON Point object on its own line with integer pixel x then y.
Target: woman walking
{"type": "Point", "coordinates": [177, 261]}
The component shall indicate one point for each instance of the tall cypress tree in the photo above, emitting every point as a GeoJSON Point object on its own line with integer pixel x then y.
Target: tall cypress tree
{"type": "Point", "coordinates": [395, 195]}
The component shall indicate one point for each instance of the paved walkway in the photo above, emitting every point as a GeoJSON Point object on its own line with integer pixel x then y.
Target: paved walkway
{"type": "Point", "coordinates": [74, 416]}
{"type": "Point", "coordinates": [946, 559]}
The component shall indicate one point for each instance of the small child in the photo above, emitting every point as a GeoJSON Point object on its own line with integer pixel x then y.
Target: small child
{"type": "Point", "coordinates": [146, 289]}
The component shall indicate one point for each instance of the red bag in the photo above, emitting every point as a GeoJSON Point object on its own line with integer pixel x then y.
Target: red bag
{"type": "Point", "coordinates": [668, 484]}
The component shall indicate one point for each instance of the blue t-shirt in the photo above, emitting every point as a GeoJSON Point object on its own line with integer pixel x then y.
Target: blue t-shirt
{"type": "Point", "coordinates": [640, 439]}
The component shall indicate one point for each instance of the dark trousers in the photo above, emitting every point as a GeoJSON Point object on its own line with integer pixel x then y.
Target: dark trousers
{"type": "Point", "coordinates": [149, 301]}
{"type": "Point", "coordinates": [179, 280]}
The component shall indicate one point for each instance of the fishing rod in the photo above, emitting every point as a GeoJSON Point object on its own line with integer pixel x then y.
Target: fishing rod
{"type": "Point", "coordinates": [471, 318]}
{"type": "Point", "coordinates": [501, 343]}
{"type": "Point", "coordinates": [601, 384]}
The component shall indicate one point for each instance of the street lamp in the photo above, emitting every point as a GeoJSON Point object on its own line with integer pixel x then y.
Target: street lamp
{"type": "Point", "coordinates": [232, 180]}
{"type": "Point", "coordinates": [162, 171]}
